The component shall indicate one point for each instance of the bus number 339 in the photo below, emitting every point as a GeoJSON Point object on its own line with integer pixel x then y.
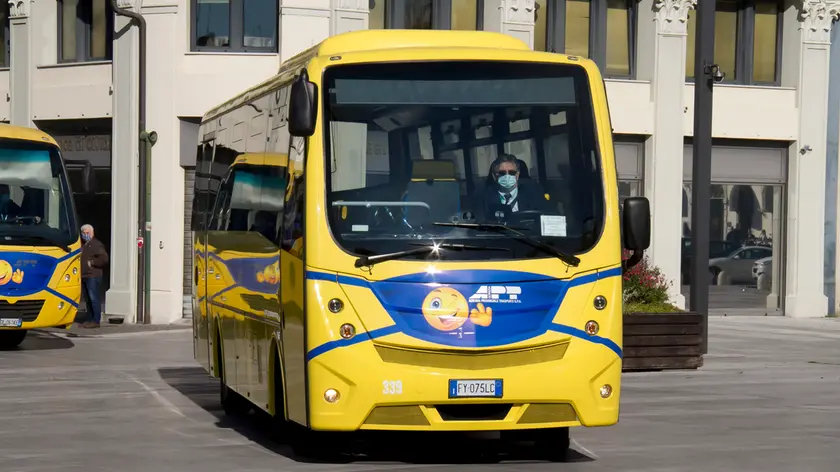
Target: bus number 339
{"type": "Point", "coordinates": [392, 387]}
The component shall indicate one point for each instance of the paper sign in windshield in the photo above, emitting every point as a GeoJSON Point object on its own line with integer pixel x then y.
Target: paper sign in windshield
{"type": "Point", "coordinates": [552, 225]}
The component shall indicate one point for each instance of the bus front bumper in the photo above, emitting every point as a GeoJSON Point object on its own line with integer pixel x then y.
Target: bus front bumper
{"type": "Point", "coordinates": [42, 310]}
{"type": "Point", "coordinates": [383, 388]}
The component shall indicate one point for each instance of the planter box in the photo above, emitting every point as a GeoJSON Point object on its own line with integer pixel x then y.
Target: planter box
{"type": "Point", "coordinates": [659, 341]}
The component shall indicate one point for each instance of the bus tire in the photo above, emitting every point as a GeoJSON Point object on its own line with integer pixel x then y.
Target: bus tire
{"type": "Point", "coordinates": [11, 339]}
{"type": "Point", "coordinates": [553, 444]}
{"type": "Point", "coordinates": [314, 445]}
{"type": "Point", "coordinates": [279, 424]}
{"type": "Point", "coordinates": [233, 403]}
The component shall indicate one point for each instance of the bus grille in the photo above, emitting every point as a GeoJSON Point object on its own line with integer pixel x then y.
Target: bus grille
{"type": "Point", "coordinates": [26, 310]}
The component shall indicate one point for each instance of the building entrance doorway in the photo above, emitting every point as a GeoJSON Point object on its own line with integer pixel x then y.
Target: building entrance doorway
{"type": "Point", "coordinates": [88, 160]}
{"type": "Point", "coordinates": [746, 228]}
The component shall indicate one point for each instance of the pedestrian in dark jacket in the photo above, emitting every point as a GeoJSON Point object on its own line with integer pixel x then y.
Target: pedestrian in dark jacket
{"type": "Point", "coordinates": [94, 259]}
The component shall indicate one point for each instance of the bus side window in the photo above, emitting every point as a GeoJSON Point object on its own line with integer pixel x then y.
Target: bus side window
{"type": "Point", "coordinates": [293, 211]}
{"type": "Point", "coordinates": [202, 171]}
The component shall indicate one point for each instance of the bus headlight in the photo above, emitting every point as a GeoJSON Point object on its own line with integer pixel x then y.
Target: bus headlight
{"type": "Point", "coordinates": [591, 328]}
{"type": "Point", "coordinates": [600, 302]}
{"type": "Point", "coordinates": [66, 277]}
{"type": "Point", "coordinates": [331, 395]}
{"type": "Point", "coordinates": [335, 305]}
{"type": "Point", "coordinates": [606, 391]}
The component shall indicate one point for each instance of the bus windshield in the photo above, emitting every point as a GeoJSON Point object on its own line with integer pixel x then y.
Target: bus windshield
{"type": "Point", "coordinates": [35, 203]}
{"type": "Point", "coordinates": [451, 152]}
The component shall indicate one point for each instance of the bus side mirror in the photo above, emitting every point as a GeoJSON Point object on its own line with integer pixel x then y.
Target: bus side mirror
{"type": "Point", "coordinates": [635, 228]}
{"type": "Point", "coordinates": [635, 224]}
{"type": "Point", "coordinates": [303, 106]}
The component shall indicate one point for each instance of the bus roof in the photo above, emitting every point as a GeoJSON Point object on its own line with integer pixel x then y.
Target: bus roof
{"type": "Point", "coordinates": [372, 40]}
{"type": "Point", "coordinates": [25, 133]}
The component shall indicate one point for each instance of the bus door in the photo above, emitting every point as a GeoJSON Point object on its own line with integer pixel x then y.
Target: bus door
{"type": "Point", "coordinates": [293, 285]}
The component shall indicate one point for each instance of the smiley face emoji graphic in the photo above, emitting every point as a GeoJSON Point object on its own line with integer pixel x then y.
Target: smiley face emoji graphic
{"type": "Point", "coordinates": [445, 309]}
{"type": "Point", "coordinates": [8, 275]}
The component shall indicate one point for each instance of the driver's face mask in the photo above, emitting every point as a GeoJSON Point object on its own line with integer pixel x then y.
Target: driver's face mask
{"type": "Point", "coordinates": [507, 181]}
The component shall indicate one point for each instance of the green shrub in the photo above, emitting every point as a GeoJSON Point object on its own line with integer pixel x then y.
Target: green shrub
{"type": "Point", "coordinates": [646, 289]}
{"type": "Point", "coordinates": [650, 308]}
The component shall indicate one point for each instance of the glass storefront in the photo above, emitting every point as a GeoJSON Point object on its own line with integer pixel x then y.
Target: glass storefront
{"type": "Point", "coordinates": [745, 228]}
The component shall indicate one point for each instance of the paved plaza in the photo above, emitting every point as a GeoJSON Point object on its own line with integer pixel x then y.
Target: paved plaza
{"type": "Point", "coordinates": [132, 401]}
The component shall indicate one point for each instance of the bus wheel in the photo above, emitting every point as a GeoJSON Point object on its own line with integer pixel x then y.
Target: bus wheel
{"type": "Point", "coordinates": [233, 403]}
{"type": "Point", "coordinates": [315, 445]}
{"type": "Point", "coordinates": [11, 339]}
{"type": "Point", "coordinates": [279, 426]}
{"type": "Point", "coordinates": [553, 444]}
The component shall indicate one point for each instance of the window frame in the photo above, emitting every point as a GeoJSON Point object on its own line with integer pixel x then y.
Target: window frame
{"type": "Point", "coordinates": [7, 28]}
{"type": "Point", "coordinates": [236, 28]}
{"type": "Point", "coordinates": [745, 45]}
{"type": "Point", "coordinates": [441, 14]}
{"type": "Point", "coordinates": [556, 32]}
{"type": "Point", "coordinates": [84, 29]}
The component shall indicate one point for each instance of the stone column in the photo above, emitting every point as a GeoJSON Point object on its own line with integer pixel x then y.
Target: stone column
{"type": "Point", "coordinates": [832, 194]}
{"type": "Point", "coordinates": [349, 15]}
{"type": "Point", "coordinates": [121, 296]}
{"type": "Point", "coordinates": [663, 57]}
{"type": "Point", "coordinates": [21, 66]}
{"type": "Point", "coordinates": [513, 17]}
{"type": "Point", "coordinates": [806, 173]}
{"type": "Point", "coordinates": [166, 239]}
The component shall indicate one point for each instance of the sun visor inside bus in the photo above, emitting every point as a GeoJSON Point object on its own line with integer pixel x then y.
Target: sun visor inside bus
{"type": "Point", "coordinates": [257, 192]}
{"type": "Point", "coordinates": [522, 91]}
{"type": "Point", "coordinates": [26, 168]}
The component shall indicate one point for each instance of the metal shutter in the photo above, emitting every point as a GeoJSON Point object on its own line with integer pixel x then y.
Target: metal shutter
{"type": "Point", "coordinates": [189, 189]}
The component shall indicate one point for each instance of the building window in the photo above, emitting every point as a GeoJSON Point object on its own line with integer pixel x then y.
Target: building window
{"type": "Point", "coordinates": [426, 14]}
{"type": "Point", "coordinates": [5, 58]}
{"type": "Point", "coordinates": [748, 37]}
{"type": "Point", "coordinates": [234, 25]}
{"type": "Point", "coordinates": [85, 30]}
{"type": "Point", "coordinates": [602, 30]}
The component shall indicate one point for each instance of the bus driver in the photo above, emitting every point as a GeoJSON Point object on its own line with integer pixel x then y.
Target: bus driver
{"type": "Point", "coordinates": [508, 193]}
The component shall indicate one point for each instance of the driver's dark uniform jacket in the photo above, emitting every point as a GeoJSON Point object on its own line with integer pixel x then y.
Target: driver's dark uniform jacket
{"type": "Point", "coordinates": [529, 196]}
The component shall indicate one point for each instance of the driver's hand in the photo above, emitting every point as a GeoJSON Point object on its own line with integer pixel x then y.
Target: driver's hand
{"type": "Point", "coordinates": [481, 316]}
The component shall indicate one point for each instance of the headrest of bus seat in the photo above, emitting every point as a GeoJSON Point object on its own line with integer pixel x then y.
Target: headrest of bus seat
{"type": "Point", "coordinates": [432, 170]}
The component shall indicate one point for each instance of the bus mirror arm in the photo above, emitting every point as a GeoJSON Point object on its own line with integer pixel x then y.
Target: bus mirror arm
{"type": "Point", "coordinates": [303, 106]}
{"type": "Point", "coordinates": [634, 259]}
{"type": "Point", "coordinates": [635, 229]}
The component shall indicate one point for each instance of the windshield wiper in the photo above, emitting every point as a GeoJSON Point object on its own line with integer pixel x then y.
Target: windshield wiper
{"type": "Point", "coordinates": [363, 261]}
{"type": "Point", "coordinates": [567, 258]}
{"type": "Point", "coordinates": [15, 219]}
{"type": "Point", "coordinates": [37, 237]}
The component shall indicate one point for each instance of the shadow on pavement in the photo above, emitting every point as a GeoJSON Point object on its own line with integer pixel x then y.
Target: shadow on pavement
{"type": "Point", "coordinates": [364, 446]}
{"type": "Point", "coordinates": [43, 341]}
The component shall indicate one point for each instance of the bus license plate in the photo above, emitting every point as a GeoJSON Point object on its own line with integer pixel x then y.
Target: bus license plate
{"type": "Point", "coordinates": [475, 388]}
{"type": "Point", "coordinates": [11, 322]}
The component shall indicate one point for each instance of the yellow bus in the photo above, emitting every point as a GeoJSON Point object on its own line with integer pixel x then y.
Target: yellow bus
{"type": "Point", "coordinates": [418, 231]}
{"type": "Point", "coordinates": [40, 276]}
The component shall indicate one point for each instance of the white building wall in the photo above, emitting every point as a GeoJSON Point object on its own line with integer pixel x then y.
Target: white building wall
{"type": "Point", "coordinates": [657, 105]}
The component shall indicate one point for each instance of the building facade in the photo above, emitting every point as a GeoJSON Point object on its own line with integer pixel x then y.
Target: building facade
{"type": "Point", "coordinates": [70, 68]}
